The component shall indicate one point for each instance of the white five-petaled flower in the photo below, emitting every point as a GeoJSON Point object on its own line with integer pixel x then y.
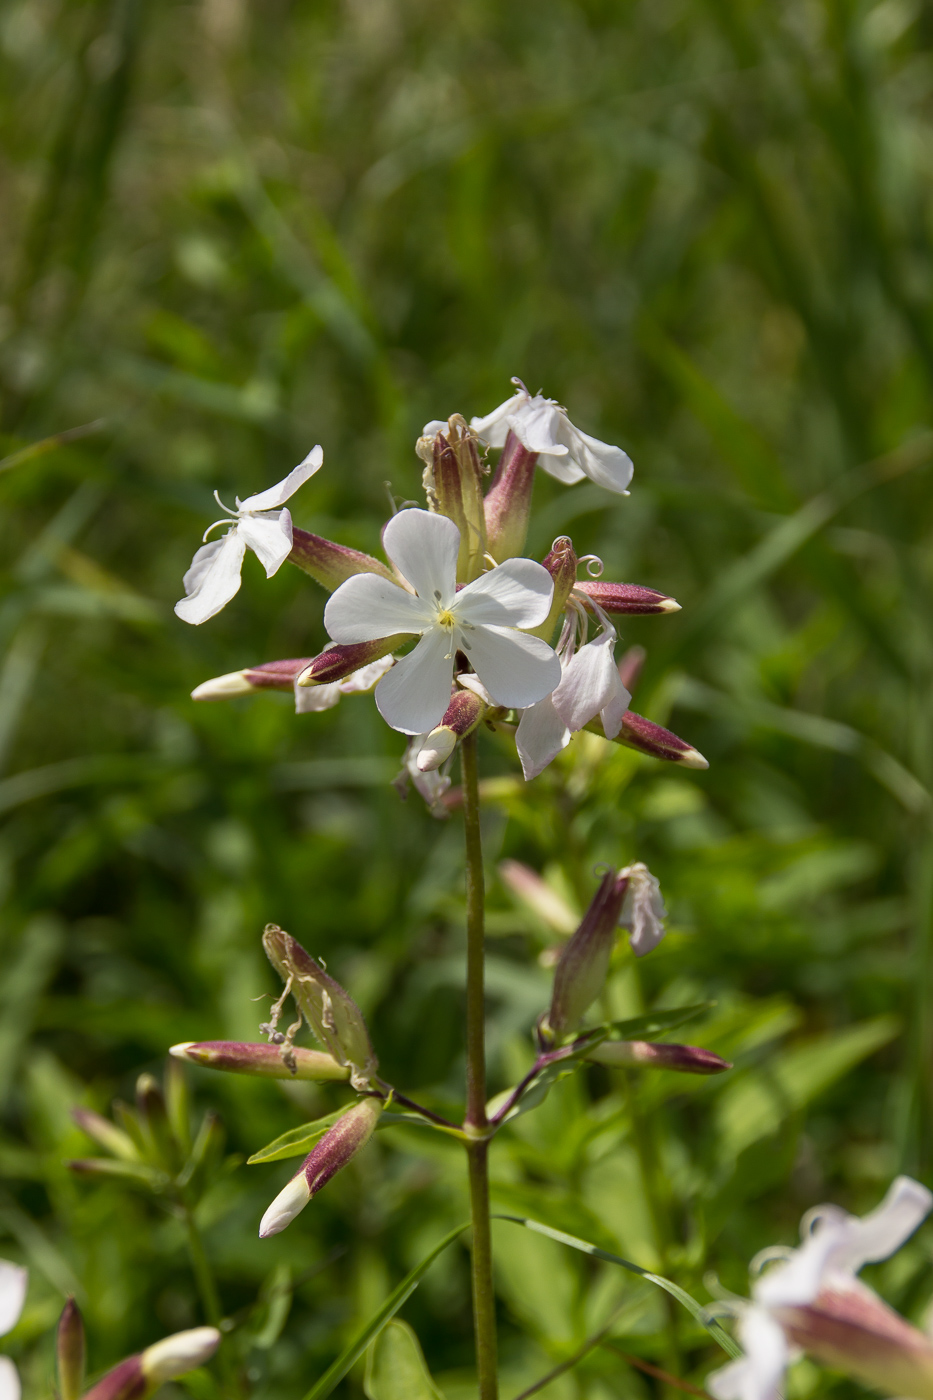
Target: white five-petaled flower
{"type": "Point", "coordinates": [542, 426]}
{"type": "Point", "coordinates": [813, 1298]}
{"type": "Point", "coordinates": [590, 685]}
{"type": "Point", "coordinates": [13, 1282]}
{"type": "Point", "coordinates": [258, 523]}
{"type": "Point", "coordinates": [480, 620]}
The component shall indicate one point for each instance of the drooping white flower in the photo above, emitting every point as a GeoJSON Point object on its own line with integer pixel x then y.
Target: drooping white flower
{"type": "Point", "coordinates": [310, 699]}
{"type": "Point", "coordinates": [13, 1281]}
{"type": "Point", "coordinates": [590, 685]}
{"type": "Point", "coordinates": [813, 1299]}
{"type": "Point", "coordinates": [481, 620]}
{"type": "Point", "coordinates": [259, 523]}
{"type": "Point", "coordinates": [542, 426]}
{"type": "Point", "coordinates": [643, 912]}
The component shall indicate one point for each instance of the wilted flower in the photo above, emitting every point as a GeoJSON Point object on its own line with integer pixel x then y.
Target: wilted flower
{"type": "Point", "coordinates": [258, 523]}
{"type": "Point", "coordinates": [812, 1301]}
{"type": "Point", "coordinates": [481, 620]}
{"type": "Point", "coordinates": [542, 427]}
{"type": "Point", "coordinates": [581, 970]}
{"type": "Point", "coordinates": [13, 1281]}
{"type": "Point", "coordinates": [643, 911]}
{"type": "Point", "coordinates": [339, 1144]}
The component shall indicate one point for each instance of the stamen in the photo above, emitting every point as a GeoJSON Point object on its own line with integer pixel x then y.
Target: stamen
{"type": "Point", "coordinates": [234, 513]}
{"type": "Point", "coordinates": [213, 527]}
{"type": "Point", "coordinates": [445, 618]}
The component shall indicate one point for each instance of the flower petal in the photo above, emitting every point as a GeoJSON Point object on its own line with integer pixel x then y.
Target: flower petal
{"type": "Point", "coordinates": [758, 1374]}
{"type": "Point", "coordinates": [277, 495]}
{"type": "Point", "coordinates": [608, 466]}
{"type": "Point", "coordinates": [516, 594]}
{"type": "Point", "coordinates": [883, 1230]}
{"type": "Point", "coordinates": [591, 683]}
{"type": "Point", "coordinates": [9, 1380]}
{"type": "Point", "coordinates": [367, 607]}
{"type": "Point", "coordinates": [215, 571]}
{"type": "Point", "coordinates": [269, 537]}
{"type": "Point", "coordinates": [563, 469]}
{"type": "Point", "coordinates": [13, 1282]}
{"type": "Point", "coordinates": [424, 548]}
{"type": "Point", "coordinates": [412, 698]}
{"type": "Point", "coordinates": [614, 710]}
{"type": "Point", "coordinates": [494, 428]}
{"type": "Point", "coordinates": [516, 669]}
{"type": "Point", "coordinates": [536, 424]}
{"type": "Point", "coordinates": [312, 699]}
{"type": "Point", "coordinates": [540, 736]}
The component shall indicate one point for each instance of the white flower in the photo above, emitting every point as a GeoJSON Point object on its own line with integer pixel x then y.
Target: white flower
{"type": "Point", "coordinates": [480, 620]}
{"type": "Point", "coordinates": [313, 698]}
{"type": "Point", "coordinates": [259, 524]}
{"type": "Point", "coordinates": [13, 1282]}
{"type": "Point", "coordinates": [643, 911]}
{"type": "Point", "coordinates": [590, 685]}
{"type": "Point", "coordinates": [542, 426]}
{"type": "Point", "coordinates": [786, 1306]}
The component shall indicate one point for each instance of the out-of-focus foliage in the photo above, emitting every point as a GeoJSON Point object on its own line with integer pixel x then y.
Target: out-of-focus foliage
{"type": "Point", "coordinates": [233, 231]}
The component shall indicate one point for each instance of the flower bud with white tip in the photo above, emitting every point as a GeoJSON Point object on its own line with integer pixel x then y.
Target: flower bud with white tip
{"type": "Point", "coordinates": [629, 598]}
{"type": "Point", "coordinates": [642, 734]}
{"type": "Point", "coordinates": [337, 1147]}
{"type": "Point", "coordinates": [140, 1375]}
{"type": "Point", "coordinates": [581, 971]}
{"type": "Point", "coordinates": [687, 1059]}
{"type": "Point", "coordinates": [461, 717]}
{"type": "Point", "coordinates": [266, 1061]}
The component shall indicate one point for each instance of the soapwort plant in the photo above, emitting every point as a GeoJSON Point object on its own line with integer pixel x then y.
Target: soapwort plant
{"type": "Point", "coordinates": [457, 631]}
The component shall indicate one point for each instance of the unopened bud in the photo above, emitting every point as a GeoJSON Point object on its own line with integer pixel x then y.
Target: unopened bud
{"type": "Point", "coordinates": [138, 1376]}
{"type": "Point", "coordinates": [453, 483]}
{"type": "Point", "coordinates": [268, 1061]}
{"type": "Point", "coordinates": [630, 664]}
{"type": "Point", "coordinates": [627, 597]}
{"type": "Point", "coordinates": [561, 564]}
{"type": "Point", "coordinates": [114, 1139]}
{"type": "Point", "coordinates": [331, 1012]}
{"type": "Point", "coordinates": [339, 1144]}
{"type": "Point", "coordinates": [508, 501]}
{"type": "Point", "coordinates": [645, 736]}
{"type": "Point", "coordinates": [332, 564]}
{"type": "Point", "coordinates": [643, 911]}
{"type": "Point", "coordinates": [269, 675]}
{"type": "Point", "coordinates": [461, 717]}
{"type": "Point", "coordinates": [69, 1352]}
{"type": "Point", "coordinates": [855, 1332]}
{"type": "Point", "coordinates": [688, 1059]}
{"type": "Point", "coordinates": [580, 974]}
{"type": "Point", "coordinates": [529, 887]}
{"type": "Point", "coordinates": [336, 662]}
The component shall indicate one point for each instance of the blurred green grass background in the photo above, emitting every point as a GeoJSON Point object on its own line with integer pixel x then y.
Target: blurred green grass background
{"type": "Point", "coordinates": [233, 231]}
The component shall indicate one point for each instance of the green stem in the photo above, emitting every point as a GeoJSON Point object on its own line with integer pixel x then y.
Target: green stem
{"type": "Point", "coordinates": [203, 1275]}
{"type": "Point", "coordinates": [476, 1122]}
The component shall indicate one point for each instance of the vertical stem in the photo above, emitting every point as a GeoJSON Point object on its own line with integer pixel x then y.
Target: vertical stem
{"type": "Point", "coordinates": [476, 1123]}
{"type": "Point", "coordinates": [204, 1278]}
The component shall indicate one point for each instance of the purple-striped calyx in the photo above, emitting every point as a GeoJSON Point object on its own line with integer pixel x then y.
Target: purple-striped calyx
{"type": "Point", "coordinates": [337, 1147]}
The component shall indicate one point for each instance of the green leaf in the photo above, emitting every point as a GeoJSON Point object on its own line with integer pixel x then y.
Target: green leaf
{"type": "Point", "coordinates": [395, 1367]}
{"type": "Point", "coordinates": [695, 1309]}
{"type": "Point", "coordinates": [297, 1142]}
{"type": "Point", "coordinates": [759, 1102]}
{"type": "Point", "coordinates": [655, 1023]}
{"type": "Point", "coordinates": [396, 1299]}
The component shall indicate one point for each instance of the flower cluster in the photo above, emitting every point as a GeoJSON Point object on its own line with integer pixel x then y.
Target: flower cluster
{"type": "Point", "coordinates": [457, 628]}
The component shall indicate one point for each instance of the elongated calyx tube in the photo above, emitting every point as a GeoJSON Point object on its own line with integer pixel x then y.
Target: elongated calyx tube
{"type": "Point", "coordinates": [331, 1012]}
{"type": "Point", "coordinates": [267, 1061]}
{"type": "Point", "coordinates": [854, 1331]}
{"type": "Point", "coordinates": [337, 662]}
{"type": "Point", "coordinates": [70, 1352]}
{"type": "Point", "coordinates": [688, 1059]}
{"type": "Point", "coordinates": [581, 971]}
{"type": "Point", "coordinates": [453, 484]}
{"type": "Point", "coordinates": [336, 1148]}
{"type": "Point", "coordinates": [650, 738]}
{"type": "Point", "coordinates": [461, 717]}
{"type": "Point", "coordinates": [630, 598]}
{"type": "Point", "coordinates": [138, 1376]}
{"type": "Point", "coordinates": [508, 501]}
{"type": "Point", "coordinates": [331, 564]}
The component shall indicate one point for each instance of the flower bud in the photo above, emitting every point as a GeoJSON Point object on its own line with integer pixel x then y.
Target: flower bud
{"type": "Point", "coordinates": [69, 1349]}
{"type": "Point", "coordinates": [630, 664]}
{"type": "Point", "coordinates": [107, 1134]}
{"type": "Point", "coordinates": [581, 971]}
{"type": "Point", "coordinates": [852, 1330]}
{"type": "Point", "coordinates": [332, 564]}
{"type": "Point", "coordinates": [453, 483]}
{"type": "Point", "coordinates": [537, 894]}
{"type": "Point", "coordinates": [270, 675]}
{"type": "Point", "coordinates": [508, 501]}
{"type": "Point", "coordinates": [688, 1059]}
{"type": "Point", "coordinates": [336, 662]}
{"type": "Point", "coordinates": [138, 1376]}
{"type": "Point", "coordinates": [461, 717]}
{"type": "Point", "coordinates": [645, 736]}
{"type": "Point", "coordinates": [268, 1061]}
{"type": "Point", "coordinates": [332, 1014]}
{"type": "Point", "coordinates": [561, 564]}
{"type": "Point", "coordinates": [339, 1144]}
{"type": "Point", "coordinates": [627, 597]}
